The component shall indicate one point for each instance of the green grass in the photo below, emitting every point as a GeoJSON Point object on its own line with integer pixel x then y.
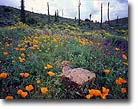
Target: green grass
{"type": "Point", "coordinates": [51, 45]}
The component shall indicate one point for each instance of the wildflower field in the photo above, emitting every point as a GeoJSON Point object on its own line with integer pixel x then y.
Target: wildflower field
{"type": "Point", "coordinates": [30, 62]}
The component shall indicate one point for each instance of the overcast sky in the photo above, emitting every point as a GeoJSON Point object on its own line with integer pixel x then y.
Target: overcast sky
{"type": "Point", "coordinates": [70, 7]}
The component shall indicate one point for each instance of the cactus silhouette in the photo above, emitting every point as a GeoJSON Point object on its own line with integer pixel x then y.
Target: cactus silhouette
{"type": "Point", "coordinates": [23, 19]}
{"type": "Point", "coordinates": [108, 12]}
{"type": "Point", "coordinates": [101, 15]}
{"type": "Point", "coordinates": [48, 12]}
{"type": "Point", "coordinates": [79, 12]}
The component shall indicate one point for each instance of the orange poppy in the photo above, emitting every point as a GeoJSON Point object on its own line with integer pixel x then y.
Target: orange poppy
{"type": "Point", "coordinates": [19, 92]}
{"type": "Point", "coordinates": [8, 97]}
{"type": "Point", "coordinates": [23, 55]}
{"type": "Point", "coordinates": [44, 90]}
{"type": "Point", "coordinates": [5, 53]}
{"type": "Point", "coordinates": [51, 73]}
{"type": "Point", "coordinates": [106, 71]}
{"type": "Point", "coordinates": [123, 90]}
{"type": "Point", "coordinates": [24, 94]}
{"type": "Point", "coordinates": [117, 49]}
{"type": "Point", "coordinates": [29, 88]}
{"type": "Point", "coordinates": [124, 56]}
{"type": "Point", "coordinates": [3, 75]}
{"type": "Point", "coordinates": [38, 81]}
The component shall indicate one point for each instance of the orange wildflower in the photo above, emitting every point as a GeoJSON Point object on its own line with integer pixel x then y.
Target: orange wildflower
{"type": "Point", "coordinates": [21, 60]}
{"type": "Point", "coordinates": [91, 92]}
{"type": "Point", "coordinates": [105, 92]}
{"type": "Point", "coordinates": [123, 90]}
{"type": "Point", "coordinates": [38, 81]}
{"type": "Point", "coordinates": [51, 73]}
{"type": "Point", "coordinates": [23, 55]}
{"type": "Point", "coordinates": [3, 75]}
{"type": "Point", "coordinates": [124, 56]}
{"type": "Point", "coordinates": [120, 81]}
{"type": "Point", "coordinates": [24, 75]}
{"type": "Point", "coordinates": [117, 49]}
{"type": "Point", "coordinates": [44, 90]}
{"type": "Point", "coordinates": [24, 94]}
{"type": "Point", "coordinates": [22, 49]}
{"type": "Point", "coordinates": [88, 96]}
{"type": "Point", "coordinates": [17, 49]}
{"type": "Point", "coordinates": [97, 93]}
{"type": "Point", "coordinates": [29, 88]}
{"type": "Point", "coordinates": [48, 66]}
{"type": "Point", "coordinates": [5, 53]}
{"type": "Point", "coordinates": [54, 40]}
{"type": "Point", "coordinates": [125, 63]}
{"type": "Point", "coordinates": [19, 92]}
{"type": "Point", "coordinates": [8, 97]}
{"type": "Point", "coordinates": [106, 71]}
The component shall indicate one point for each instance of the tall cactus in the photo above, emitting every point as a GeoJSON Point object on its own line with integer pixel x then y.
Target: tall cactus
{"type": "Point", "coordinates": [117, 21]}
{"type": "Point", "coordinates": [90, 17]}
{"type": "Point", "coordinates": [101, 15]}
{"type": "Point", "coordinates": [48, 12]}
{"type": "Point", "coordinates": [79, 12]}
{"type": "Point", "coordinates": [23, 19]}
{"type": "Point", "coordinates": [108, 12]}
{"type": "Point", "coordinates": [55, 16]}
{"type": "Point", "coordinates": [62, 13]}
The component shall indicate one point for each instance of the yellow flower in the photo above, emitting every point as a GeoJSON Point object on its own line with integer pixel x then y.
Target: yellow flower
{"type": "Point", "coordinates": [123, 90]}
{"type": "Point", "coordinates": [8, 97]}
{"type": "Point", "coordinates": [106, 71]}
{"type": "Point", "coordinates": [44, 90]}
{"type": "Point", "coordinates": [51, 73]}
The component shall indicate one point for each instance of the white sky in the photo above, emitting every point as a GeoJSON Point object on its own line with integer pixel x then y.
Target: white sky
{"type": "Point", "coordinates": [70, 7]}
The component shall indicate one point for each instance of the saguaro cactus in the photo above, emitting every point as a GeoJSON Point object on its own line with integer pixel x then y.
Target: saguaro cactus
{"type": "Point", "coordinates": [48, 12]}
{"type": "Point", "coordinates": [23, 19]}
{"type": "Point", "coordinates": [55, 16]}
{"type": "Point", "coordinates": [62, 13]}
{"type": "Point", "coordinates": [117, 20]}
{"type": "Point", "coordinates": [101, 15]}
{"type": "Point", "coordinates": [79, 12]}
{"type": "Point", "coordinates": [90, 17]}
{"type": "Point", "coordinates": [108, 12]}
